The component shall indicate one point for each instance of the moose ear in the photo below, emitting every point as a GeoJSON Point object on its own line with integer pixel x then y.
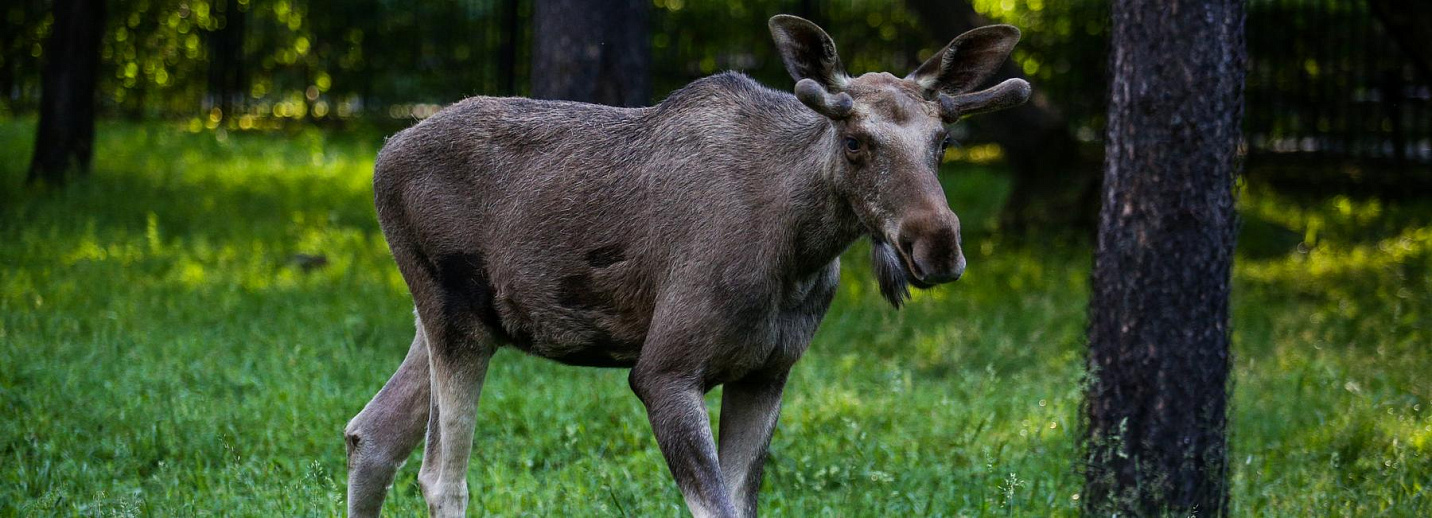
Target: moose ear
{"type": "Point", "coordinates": [807, 51]}
{"type": "Point", "coordinates": [966, 62]}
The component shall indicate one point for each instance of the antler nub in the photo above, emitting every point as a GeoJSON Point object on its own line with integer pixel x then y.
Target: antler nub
{"type": "Point", "coordinates": [1008, 94]}
{"type": "Point", "coordinates": [812, 94]}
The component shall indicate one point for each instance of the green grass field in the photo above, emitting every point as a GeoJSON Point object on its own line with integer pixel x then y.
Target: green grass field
{"type": "Point", "coordinates": [163, 354]}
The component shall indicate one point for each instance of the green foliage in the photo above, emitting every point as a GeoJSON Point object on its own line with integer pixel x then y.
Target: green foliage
{"type": "Point", "coordinates": [1063, 53]}
{"type": "Point", "coordinates": [167, 58]}
{"type": "Point", "coordinates": [166, 351]}
{"type": "Point", "coordinates": [1324, 77]}
{"type": "Point", "coordinates": [322, 59]}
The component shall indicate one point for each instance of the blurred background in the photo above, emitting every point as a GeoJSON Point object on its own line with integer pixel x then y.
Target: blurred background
{"type": "Point", "coordinates": [1338, 92]}
{"type": "Point", "coordinates": [208, 304]}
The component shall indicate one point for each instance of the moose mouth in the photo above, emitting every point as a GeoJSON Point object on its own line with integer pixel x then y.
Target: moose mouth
{"type": "Point", "coordinates": [893, 270]}
{"type": "Point", "coordinates": [917, 283]}
{"type": "Point", "coordinates": [909, 264]}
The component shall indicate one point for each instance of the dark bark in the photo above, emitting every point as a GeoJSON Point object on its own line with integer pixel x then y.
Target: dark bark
{"type": "Point", "coordinates": [1158, 317]}
{"type": "Point", "coordinates": [595, 51]}
{"type": "Point", "coordinates": [1053, 184]}
{"type": "Point", "coordinates": [507, 48]}
{"type": "Point", "coordinates": [64, 141]}
{"type": "Point", "coordinates": [1407, 23]}
{"type": "Point", "coordinates": [227, 82]}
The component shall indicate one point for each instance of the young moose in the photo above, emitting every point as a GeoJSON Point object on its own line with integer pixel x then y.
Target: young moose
{"type": "Point", "coordinates": [694, 242]}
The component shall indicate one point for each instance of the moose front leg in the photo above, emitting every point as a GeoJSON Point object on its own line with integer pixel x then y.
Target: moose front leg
{"type": "Point", "coordinates": [749, 409]}
{"type": "Point", "coordinates": [677, 411]}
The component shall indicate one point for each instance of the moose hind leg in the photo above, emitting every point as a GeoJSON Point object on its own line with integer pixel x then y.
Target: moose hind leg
{"type": "Point", "coordinates": [454, 301]}
{"type": "Point", "coordinates": [458, 368]}
{"type": "Point", "coordinates": [382, 435]}
{"type": "Point", "coordinates": [432, 452]}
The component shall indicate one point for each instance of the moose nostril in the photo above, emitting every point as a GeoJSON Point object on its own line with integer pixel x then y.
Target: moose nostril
{"type": "Point", "coordinates": [907, 246]}
{"type": "Point", "coordinates": [936, 260]}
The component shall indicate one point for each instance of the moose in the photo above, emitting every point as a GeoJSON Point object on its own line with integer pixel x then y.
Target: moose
{"type": "Point", "coordinates": [695, 242]}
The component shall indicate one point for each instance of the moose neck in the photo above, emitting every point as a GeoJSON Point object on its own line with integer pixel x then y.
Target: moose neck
{"type": "Point", "coordinates": [816, 220]}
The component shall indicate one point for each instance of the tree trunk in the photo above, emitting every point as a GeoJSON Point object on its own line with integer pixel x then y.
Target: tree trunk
{"type": "Point", "coordinates": [65, 139]}
{"type": "Point", "coordinates": [227, 85]}
{"type": "Point", "coordinates": [507, 48]}
{"type": "Point", "coordinates": [1053, 185]}
{"type": "Point", "coordinates": [596, 51]}
{"type": "Point", "coordinates": [1158, 317]}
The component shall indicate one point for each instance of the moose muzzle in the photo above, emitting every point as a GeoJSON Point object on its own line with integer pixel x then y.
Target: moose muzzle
{"type": "Point", "coordinates": [930, 246]}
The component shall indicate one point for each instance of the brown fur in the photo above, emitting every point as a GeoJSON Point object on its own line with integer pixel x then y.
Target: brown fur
{"type": "Point", "coordinates": [695, 241]}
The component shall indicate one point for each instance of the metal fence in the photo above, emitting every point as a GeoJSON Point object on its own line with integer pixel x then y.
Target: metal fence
{"type": "Point", "coordinates": [1327, 84]}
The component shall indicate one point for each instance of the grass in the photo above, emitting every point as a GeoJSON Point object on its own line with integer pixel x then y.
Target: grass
{"type": "Point", "coordinates": [165, 353]}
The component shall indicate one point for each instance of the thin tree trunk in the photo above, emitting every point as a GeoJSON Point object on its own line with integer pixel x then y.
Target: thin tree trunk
{"type": "Point", "coordinates": [1053, 185]}
{"type": "Point", "coordinates": [596, 51]}
{"type": "Point", "coordinates": [227, 88]}
{"type": "Point", "coordinates": [1158, 317]}
{"type": "Point", "coordinates": [65, 138]}
{"type": "Point", "coordinates": [507, 48]}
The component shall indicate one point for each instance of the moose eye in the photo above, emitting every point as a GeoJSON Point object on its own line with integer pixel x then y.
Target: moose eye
{"type": "Point", "coordinates": [852, 144]}
{"type": "Point", "coordinates": [944, 144]}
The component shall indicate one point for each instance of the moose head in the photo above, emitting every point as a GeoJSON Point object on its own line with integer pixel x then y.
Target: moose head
{"type": "Point", "coordinates": [892, 137]}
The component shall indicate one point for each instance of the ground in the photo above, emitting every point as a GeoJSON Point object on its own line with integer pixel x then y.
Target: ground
{"type": "Point", "coordinates": [171, 346]}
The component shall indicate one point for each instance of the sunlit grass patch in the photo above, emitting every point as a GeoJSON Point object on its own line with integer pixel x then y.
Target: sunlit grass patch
{"type": "Point", "coordinates": [1331, 378]}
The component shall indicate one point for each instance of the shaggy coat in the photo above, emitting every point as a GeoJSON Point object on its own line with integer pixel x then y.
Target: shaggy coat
{"type": "Point", "coordinates": [695, 242]}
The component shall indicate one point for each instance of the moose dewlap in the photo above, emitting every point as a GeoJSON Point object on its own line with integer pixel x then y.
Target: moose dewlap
{"type": "Point", "coordinates": [695, 242]}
